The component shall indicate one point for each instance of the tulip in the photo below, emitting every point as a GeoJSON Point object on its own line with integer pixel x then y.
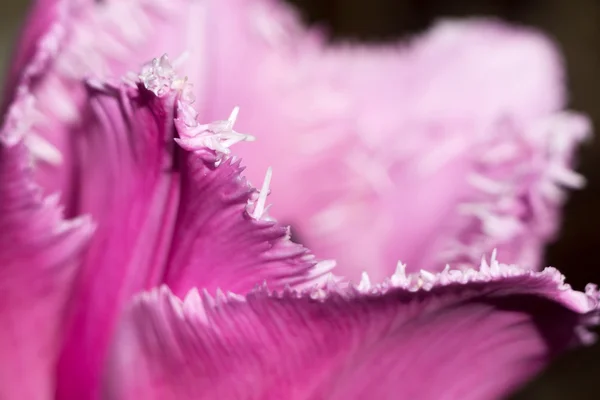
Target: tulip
{"type": "Point", "coordinates": [138, 262]}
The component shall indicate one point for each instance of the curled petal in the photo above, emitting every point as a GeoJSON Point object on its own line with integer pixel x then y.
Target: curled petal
{"type": "Point", "coordinates": [165, 215]}
{"type": "Point", "coordinates": [223, 236]}
{"type": "Point", "coordinates": [470, 335]}
{"type": "Point", "coordinates": [127, 184]}
{"type": "Point", "coordinates": [39, 256]}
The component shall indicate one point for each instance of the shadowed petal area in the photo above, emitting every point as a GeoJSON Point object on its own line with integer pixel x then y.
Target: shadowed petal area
{"type": "Point", "coordinates": [456, 335]}
{"type": "Point", "coordinates": [39, 256]}
{"type": "Point", "coordinates": [165, 214]}
{"type": "Point", "coordinates": [454, 141]}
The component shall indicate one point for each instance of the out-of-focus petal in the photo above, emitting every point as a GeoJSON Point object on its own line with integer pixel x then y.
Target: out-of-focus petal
{"type": "Point", "coordinates": [39, 256]}
{"type": "Point", "coordinates": [449, 146]}
{"type": "Point", "coordinates": [454, 335]}
{"type": "Point", "coordinates": [165, 214]}
{"type": "Point", "coordinates": [65, 42]}
{"type": "Point", "coordinates": [41, 18]}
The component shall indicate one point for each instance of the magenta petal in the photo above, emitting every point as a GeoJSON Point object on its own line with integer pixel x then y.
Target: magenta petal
{"type": "Point", "coordinates": [165, 214]}
{"type": "Point", "coordinates": [457, 335]}
{"type": "Point", "coordinates": [218, 243]}
{"type": "Point", "coordinates": [39, 256]}
{"type": "Point", "coordinates": [223, 237]}
{"type": "Point", "coordinates": [127, 186]}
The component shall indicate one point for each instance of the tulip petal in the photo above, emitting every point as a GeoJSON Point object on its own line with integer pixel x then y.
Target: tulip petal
{"type": "Point", "coordinates": [455, 335]}
{"type": "Point", "coordinates": [224, 237]}
{"type": "Point", "coordinates": [165, 214]}
{"type": "Point", "coordinates": [64, 42]}
{"type": "Point", "coordinates": [126, 185]}
{"type": "Point", "coordinates": [39, 256]}
{"type": "Point", "coordinates": [455, 142]}
{"type": "Point", "coordinates": [41, 19]}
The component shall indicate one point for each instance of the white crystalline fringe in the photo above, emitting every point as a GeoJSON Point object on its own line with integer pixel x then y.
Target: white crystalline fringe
{"type": "Point", "coordinates": [259, 211]}
{"type": "Point", "coordinates": [218, 136]}
{"type": "Point", "coordinates": [365, 282]}
{"type": "Point", "coordinates": [492, 271]}
{"type": "Point", "coordinates": [42, 149]}
{"type": "Point", "coordinates": [539, 176]}
{"type": "Point", "coordinates": [552, 139]}
{"type": "Point", "coordinates": [160, 78]}
{"type": "Point", "coordinates": [197, 137]}
{"type": "Point", "coordinates": [399, 275]}
{"type": "Point", "coordinates": [320, 277]}
{"type": "Point", "coordinates": [201, 306]}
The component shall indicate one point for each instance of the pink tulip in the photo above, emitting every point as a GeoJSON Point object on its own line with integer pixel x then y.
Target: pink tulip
{"type": "Point", "coordinates": [138, 263]}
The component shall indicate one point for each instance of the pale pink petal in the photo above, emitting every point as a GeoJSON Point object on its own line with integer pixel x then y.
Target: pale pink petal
{"type": "Point", "coordinates": [165, 214]}
{"type": "Point", "coordinates": [39, 256]}
{"type": "Point", "coordinates": [434, 151]}
{"type": "Point", "coordinates": [457, 335]}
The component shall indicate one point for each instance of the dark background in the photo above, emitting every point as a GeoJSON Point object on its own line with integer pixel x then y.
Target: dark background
{"type": "Point", "coordinates": [575, 25]}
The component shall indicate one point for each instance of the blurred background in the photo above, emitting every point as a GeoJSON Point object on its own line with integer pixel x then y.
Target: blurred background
{"type": "Point", "coordinates": [575, 26]}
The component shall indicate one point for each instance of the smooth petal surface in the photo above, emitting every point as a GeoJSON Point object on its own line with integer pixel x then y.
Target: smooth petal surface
{"type": "Point", "coordinates": [448, 146]}
{"type": "Point", "coordinates": [455, 335]}
{"type": "Point", "coordinates": [165, 214]}
{"type": "Point", "coordinates": [39, 256]}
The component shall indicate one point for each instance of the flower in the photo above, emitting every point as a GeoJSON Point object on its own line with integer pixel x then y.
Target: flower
{"type": "Point", "coordinates": [159, 274]}
{"type": "Point", "coordinates": [378, 141]}
{"type": "Point", "coordinates": [432, 152]}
